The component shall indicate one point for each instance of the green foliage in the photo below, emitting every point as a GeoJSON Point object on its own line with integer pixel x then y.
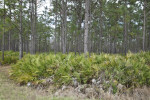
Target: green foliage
{"type": "Point", "coordinates": [10, 57]}
{"type": "Point", "coordinates": [130, 70]}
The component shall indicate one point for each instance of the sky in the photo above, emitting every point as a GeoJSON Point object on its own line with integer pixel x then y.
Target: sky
{"type": "Point", "coordinates": [1, 6]}
{"type": "Point", "coordinates": [44, 4]}
{"type": "Point", "coordinates": [40, 9]}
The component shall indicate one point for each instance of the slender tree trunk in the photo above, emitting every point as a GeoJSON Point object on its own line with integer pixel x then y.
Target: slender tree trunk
{"type": "Point", "coordinates": [144, 25]}
{"type": "Point", "coordinates": [79, 41]}
{"type": "Point", "coordinates": [33, 28]}
{"type": "Point", "coordinates": [9, 43]}
{"type": "Point", "coordinates": [109, 43]}
{"type": "Point", "coordinates": [20, 34]}
{"type": "Point", "coordinates": [87, 2]}
{"type": "Point", "coordinates": [101, 28]}
{"type": "Point", "coordinates": [60, 38]}
{"type": "Point", "coordinates": [149, 42]}
{"type": "Point", "coordinates": [3, 38]}
{"type": "Point", "coordinates": [76, 42]}
{"type": "Point", "coordinates": [59, 41]}
{"type": "Point", "coordinates": [125, 37]}
{"type": "Point", "coordinates": [55, 44]}
{"type": "Point", "coordinates": [64, 24]}
{"type": "Point", "coordinates": [125, 30]}
{"type": "Point", "coordinates": [90, 39]}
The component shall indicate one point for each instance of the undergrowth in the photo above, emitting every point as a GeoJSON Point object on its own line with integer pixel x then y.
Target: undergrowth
{"type": "Point", "coordinates": [130, 70]}
{"type": "Point", "coordinates": [10, 57]}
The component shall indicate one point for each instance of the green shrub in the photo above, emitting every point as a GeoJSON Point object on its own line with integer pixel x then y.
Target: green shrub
{"type": "Point", "coordinates": [130, 70]}
{"type": "Point", "coordinates": [10, 57]}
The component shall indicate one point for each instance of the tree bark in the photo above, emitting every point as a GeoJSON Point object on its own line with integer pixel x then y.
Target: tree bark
{"type": "Point", "coordinates": [33, 27]}
{"type": "Point", "coordinates": [35, 31]}
{"type": "Point", "coordinates": [125, 30]}
{"type": "Point", "coordinates": [87, 2]}
{"type": "Point", "coordinates": [79, 41]}
{"type": "Point", "coordinates": [149, 42]}
{"type": "Point", "coordinates": [55, 44]}
{"type": "Point", "coordinates": [3, 38]}
{"type": "Point", "coordinates": [64, 24]}
{"type": "Point", "coordinates": [144, 25]}
{"type": "Point", "coordinates": [9, 43]}
{"type": "Point", "coordinates": [101, 27]}
{"type": "Point", "coordinates": [20, 33]}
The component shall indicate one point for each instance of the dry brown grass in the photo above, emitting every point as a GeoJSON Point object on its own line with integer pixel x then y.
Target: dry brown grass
{"type": "Point", "coordinates": [136, 94]}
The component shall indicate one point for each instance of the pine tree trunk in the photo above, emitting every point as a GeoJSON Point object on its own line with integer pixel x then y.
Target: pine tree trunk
{"type": "Point", "coordinates": [149, 41]}
{"type": "Point", "coordinates": [35, 24]}
{"type": "Point", "coordinates": [79, 25]}
{"type": "Point", "coordinates": [64, 24]}
{"type": "Point", "coordinates": [3, 37]}
{"type": "Point", "coordinates": [125, 30]}
{"type": "Point", "coordinates": [55, 44]}
{"type": "Point", "coordinates": [20, 34]}
{"type": "Point", "coordinates": [101, 29]}
{"type": "Point", "coordinates": [144, 25]}
{"type": "Point", "coordinates": [32, 28]}
{"type": "Point", "coordinates": [9, 39]}
{"type": "Point", "coordinates": [87, 2]}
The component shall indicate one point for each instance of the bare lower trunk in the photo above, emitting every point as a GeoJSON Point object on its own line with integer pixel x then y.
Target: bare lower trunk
{"type": "Point", "coordinates": [55, 44]}
{"type": "Point", "coordinates": [20, 34]}
{"type": "Point", "coordinates": [3, 44]}
{"type": "Point", "coordinates": [79, 7]}
{"type": "Point", "coordinates": [33, 28]}
{"type": "Point", "coordinates": [101, 30]}
{"type": "Point", "coordinates": [35, 24]}
{"type": "Point", "coordinates": [9, 43]}
{"type": "Point", "coordinates": [9, 40]}
{"type": "Point", "coordinates": [86, 27]}
{"type": "Point", "coordinates": [3, 38]}
{"type": "Point", "coordinates": [64, 24]}
{"type": "Point", "coordinates": [125, 37]}
{"type": "Point", "coordinates": [125, 30]}
{"type": "Point", "coordinates": [144, 24]}
{"type": "Point", "coordinates": [149, 41]}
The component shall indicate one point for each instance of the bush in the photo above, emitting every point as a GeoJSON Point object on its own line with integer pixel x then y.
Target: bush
{"type": "Point", "coordinates": [130, 70]}
{"type": "Point", "coordinates": [10, 57]}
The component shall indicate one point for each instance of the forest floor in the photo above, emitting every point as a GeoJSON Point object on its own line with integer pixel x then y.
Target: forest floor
{"type": "Point", "coordinates": [11, 91]}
